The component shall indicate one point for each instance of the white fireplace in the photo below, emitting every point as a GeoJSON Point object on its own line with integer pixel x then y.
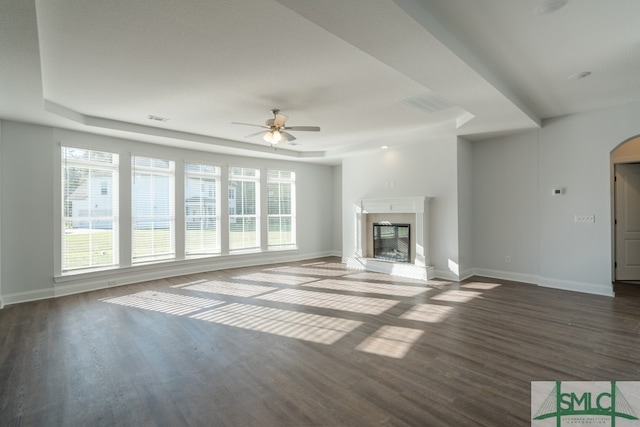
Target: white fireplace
{"type": "Point", "coordinates": [406, 210]}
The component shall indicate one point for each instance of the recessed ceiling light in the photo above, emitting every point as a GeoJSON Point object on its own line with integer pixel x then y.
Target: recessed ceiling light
{"type": "Point", "coordinates": [549, 6]}
{"type": "Point", "coordinates": [580, 75]}
{"type": "Point", "coordinates": [384, 147]}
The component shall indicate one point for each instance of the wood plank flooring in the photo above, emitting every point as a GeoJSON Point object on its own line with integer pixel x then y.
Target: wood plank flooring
{"type": "Point", "coordinates": [306, 344]}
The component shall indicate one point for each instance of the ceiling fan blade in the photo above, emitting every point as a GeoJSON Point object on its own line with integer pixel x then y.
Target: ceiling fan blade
{"type": "Point", "coordinates": [279, 120]}
{"type": "Point", "coordinates": [307, 128]}
{"type": "Point", "coordinates": [287, 136]}
{"type": "Point", "coordinates": [249, 124]}
{"type": "Point", "coordinates": [254, 134]}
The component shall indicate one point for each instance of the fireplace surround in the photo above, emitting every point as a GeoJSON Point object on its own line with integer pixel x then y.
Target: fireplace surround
{"type": "Point", "coordinates": [413, 211]}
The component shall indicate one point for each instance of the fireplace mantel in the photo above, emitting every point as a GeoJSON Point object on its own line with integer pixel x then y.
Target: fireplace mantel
{"type": "Point", "coordinates": [417, 205]}
{"type": "Point", "coordinates": [385, 209]}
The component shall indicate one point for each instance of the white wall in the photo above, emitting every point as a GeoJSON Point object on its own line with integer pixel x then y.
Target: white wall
{"type": "Point", "coordinates": [492, 196]}
{"type": "Point", "coordinates": [420, 168]}
{"type": "Point", "coordinates": [505, 207]}
{"type": "Point", "coordinates": [27, 210]}
{"type": "Point", "coordinates": [29, 157]}
{"type": "Point", "coordinates": [516, 214]}
{"type": "Point", "coordinates": [1, 303]}
{"type": "Point", "coordinates": [337, 211]}
{"type": "Point", "coordinates": [465, 208]}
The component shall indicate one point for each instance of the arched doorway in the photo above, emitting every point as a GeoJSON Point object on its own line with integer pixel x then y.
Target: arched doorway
{"type": "Point", "coordinates": [625, 232]}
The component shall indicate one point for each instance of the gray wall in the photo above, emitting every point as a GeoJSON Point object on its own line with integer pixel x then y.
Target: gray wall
{"type": "Point", "coordinates": [465, 207]}
{"type": "Point", "coordinates": [337, 211]}
{"type": "Point", "coordinates": [1, 302]}
{"type": "Point", "coordinates": [421, 167]}
{"type": "Point", "coordinates": [492, 199]}
{"type": "Point", "coordinates": [27, 210]}
{"type": "Point", "coordinates": [505, 206]}
{"type": "Point", "coordinates": [29, 184]}
{"type": "Point", "coordinates": [516, 214]}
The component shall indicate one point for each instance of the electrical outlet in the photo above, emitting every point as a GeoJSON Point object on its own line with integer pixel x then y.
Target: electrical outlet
{"type": "Point", "coordinates": [508, 259]}
{"type": "Point", "coordinates": [111, 283]}
{"type": "Point", "coordinates": [585, 219]}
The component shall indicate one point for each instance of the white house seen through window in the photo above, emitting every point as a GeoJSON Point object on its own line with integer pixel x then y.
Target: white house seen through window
{"type": "Point", "coordinates": [244, 220]}
{"type": "Point", "coordinates": [90, 209]}
{"type": "Point", "coordinates": [152, 209]}
{"type": "Point", "coordinates": [281, 214]}
{"type": "Point", "coordinates": [202, 209]}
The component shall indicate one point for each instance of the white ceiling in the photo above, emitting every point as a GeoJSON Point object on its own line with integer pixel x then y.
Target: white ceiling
{"type": "Point", "coordinates": [352, 67]}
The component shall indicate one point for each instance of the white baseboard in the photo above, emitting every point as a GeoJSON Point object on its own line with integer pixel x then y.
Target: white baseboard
{"type": "Point", "coordinates": [20, 297]}
{"type": "Point", "coordinates": [69, 285]}
{"type": "Point", "coordinates": [548, 282]}
{"type": "Point", "coordinates": [568, 285]}
{"type": "Point", "coordinates": [446, 275]}
{"type": "Point", "coordinates": [465, 274]}
{"type": "Point", "coordinates": [112, 278]}
{"type": "Point", "coordinates": [506, 275]}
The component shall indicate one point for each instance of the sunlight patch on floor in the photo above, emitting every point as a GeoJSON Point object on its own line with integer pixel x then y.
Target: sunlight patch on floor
{"type": "Point", "coordinates": [280, 279]}
{"type": "Point", "coordinates": [368, 287]}
{"type": "Point", "coordinates": [350, 303]}
{"type": "Point", "coordinates": [310, 271]}
{"type": "Point", "coordinates": [430, 313]}
{"type": "Point", "coordinates": [332, 265]}
{"type": "Point", "coordinates": [391, 341]}
{"type": "Point", "coordinates": [480, 285]}
{"type": "Point", "coordinates": [228, 288]}
{"type": "Point", "coordinates": [389, 278]}
{"type": "Point", "coordinates": [285, 323]}
{"type": "Point", "coordinates": [164, 302]}
{"type": "Point", "coordinates": [455, 295]}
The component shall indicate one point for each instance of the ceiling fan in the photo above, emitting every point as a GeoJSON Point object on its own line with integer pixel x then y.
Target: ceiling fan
{"type": "Point", "coordinates": [276, 130]}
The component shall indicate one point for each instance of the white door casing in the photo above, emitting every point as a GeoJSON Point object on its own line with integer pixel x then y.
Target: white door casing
{"type": "Point", "coordinates": [627, 221]}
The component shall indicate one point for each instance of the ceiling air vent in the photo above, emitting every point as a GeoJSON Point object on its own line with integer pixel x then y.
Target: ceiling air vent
{"type": "Point", "coordinates": [429, 102]}
{"type": "Point", "coordinates": [158, 118]}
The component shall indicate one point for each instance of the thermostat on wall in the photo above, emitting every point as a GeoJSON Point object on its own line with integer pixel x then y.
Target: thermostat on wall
{"type": "Point", "coordinates": [558, 191]}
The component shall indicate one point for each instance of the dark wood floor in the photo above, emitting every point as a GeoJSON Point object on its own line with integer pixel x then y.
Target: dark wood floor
{"type": "Point", "coordinates": [306, 344]}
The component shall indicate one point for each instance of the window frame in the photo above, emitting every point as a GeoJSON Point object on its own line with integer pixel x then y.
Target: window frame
{"type": "Point", "coordinates": [170, 218]}
{"type": "Point", "coordinates": [256, 205]}
{"type": "Point", "coordinates": [216, 217]}
{"type": "Point", "coordinates": [66, 204]}
{"type": "Point", "coordinates": [281, 181]}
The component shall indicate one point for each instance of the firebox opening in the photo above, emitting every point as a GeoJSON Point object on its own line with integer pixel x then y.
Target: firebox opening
{"type": "Point", "coordinates": [392, 242]}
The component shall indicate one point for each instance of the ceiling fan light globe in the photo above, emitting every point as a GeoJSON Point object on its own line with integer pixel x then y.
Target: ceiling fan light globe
{"type": "Point", "coordinates": [268, 137]}
{"type": "Point", "coordinates": [277, 136]}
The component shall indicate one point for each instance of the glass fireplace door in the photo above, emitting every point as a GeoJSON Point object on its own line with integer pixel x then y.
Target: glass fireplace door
{"type": "Point", "coordinates": [391, 242]}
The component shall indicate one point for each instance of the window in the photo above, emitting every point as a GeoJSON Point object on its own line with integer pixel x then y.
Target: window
{"type": "Point", "coordinates": [281, 213]}
{"type": "Point", "coordinates": [244, 186]}
{"type": "Point", "coordinates": [202, 209]}
{"type": "Point", "coordinates": [152, 209]}
{"type": "Point", "coordinates": [90, 215]}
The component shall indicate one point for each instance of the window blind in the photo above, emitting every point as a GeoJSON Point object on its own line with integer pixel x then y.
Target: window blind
{"type": "Point", "coordinates": [281, 217]}
{"type": "Point", "coordinates": [202, 209]}
{"type": "Point", "coordinates": [152, 209]}
{"type": "Point", "coordinates": [244, 220]}
{"type": "Point", "coordinates": [90, 209]}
